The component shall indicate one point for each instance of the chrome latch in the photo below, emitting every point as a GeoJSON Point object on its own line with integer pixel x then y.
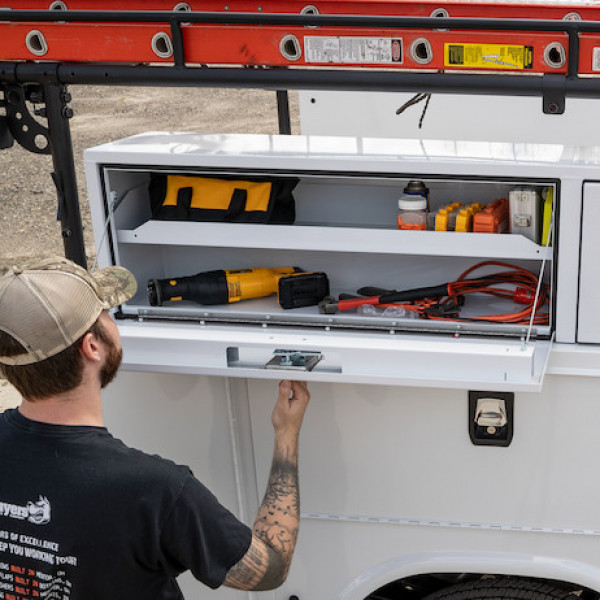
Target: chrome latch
{"type": "Point", "coordinates": [295, 360]}
{"type": "Point", "coordinates": [491, 414]}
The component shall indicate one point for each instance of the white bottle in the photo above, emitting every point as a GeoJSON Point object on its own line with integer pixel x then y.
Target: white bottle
{"type": "Point", "coordinates": [412, 207]}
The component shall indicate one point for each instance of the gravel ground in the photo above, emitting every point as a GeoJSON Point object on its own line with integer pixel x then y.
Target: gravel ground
{"type": "Point", "coordinates": [28, 222]}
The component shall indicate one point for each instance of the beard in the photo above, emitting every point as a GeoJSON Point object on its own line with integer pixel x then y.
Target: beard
{"type": "Point", "coordinates": [111, 366]}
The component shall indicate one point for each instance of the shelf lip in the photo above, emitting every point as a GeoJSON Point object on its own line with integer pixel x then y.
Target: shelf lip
{"type": "Point", "coordinates": [334, 239]}
{"type": "Point", "coordinates": [407, 360]}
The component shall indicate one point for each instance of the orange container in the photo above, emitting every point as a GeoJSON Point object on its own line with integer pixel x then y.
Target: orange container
{"type": "Point", "coordinates": [493, 218]}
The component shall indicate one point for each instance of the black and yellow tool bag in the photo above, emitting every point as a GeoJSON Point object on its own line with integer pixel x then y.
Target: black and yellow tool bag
{"type": "Point", "coordinates": [198, 198]}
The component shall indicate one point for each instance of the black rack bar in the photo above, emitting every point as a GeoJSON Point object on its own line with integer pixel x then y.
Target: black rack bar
{"type": "Point", "coordinates": [177, 40]}
{"type": "Point", "coordinates": [283, 112]}
{"type": "Point", "coordinates": [292, 78]}
{"type": "Point", "coordinates": [65, 179]}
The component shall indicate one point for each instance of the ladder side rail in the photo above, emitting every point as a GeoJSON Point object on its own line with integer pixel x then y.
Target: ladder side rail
{"type": "Point", "coordinates": [385, 25]}
{"type": "Point", "coordinates": [305, 20]}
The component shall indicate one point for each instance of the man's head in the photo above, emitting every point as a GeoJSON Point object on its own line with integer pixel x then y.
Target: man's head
{"type": "Point", "coordinates": [46, 309]}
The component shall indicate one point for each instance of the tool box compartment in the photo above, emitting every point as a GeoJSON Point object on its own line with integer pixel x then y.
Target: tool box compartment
{"type": "Point", "coordinates": [346, 202]}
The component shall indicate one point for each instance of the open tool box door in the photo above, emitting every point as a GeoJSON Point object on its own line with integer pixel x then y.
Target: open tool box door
{"type": "Point", "coordinates": [345, 192]}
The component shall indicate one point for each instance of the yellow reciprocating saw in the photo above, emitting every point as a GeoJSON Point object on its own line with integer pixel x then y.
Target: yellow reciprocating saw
{"type": "Point", "coordinates": [294, 287]}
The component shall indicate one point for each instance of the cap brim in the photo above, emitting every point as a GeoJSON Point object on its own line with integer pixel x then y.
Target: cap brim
{"type": "Point", "coordinates": [116, 285]}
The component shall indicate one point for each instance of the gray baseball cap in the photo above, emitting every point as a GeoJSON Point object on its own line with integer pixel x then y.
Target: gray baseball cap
{"type": "Point", "coordinates": [48, 305]}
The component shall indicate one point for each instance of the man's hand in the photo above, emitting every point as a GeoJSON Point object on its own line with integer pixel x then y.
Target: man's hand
{"type": "Point", "coordinates": [266, 564]}
{"type": "Point", "coordinates": [290, 408]}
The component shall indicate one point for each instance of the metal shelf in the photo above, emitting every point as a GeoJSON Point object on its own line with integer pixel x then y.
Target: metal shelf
{"type": "Point", "coordinates": [335, 239]}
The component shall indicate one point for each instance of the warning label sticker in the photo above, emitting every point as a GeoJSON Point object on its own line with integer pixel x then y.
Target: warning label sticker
{"type": "Point", "coordinates": [352, 50]}
{"type": "Point", "coordinates": [596, 60]}
{"type": "Point", "coordinates": [488, 56]}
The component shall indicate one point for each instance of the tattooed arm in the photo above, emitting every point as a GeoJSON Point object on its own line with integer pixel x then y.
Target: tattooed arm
{"type": "Point", "coordinates": [266, 564]}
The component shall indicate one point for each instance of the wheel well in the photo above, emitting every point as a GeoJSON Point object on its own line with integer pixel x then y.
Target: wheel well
{"type": "Point", "coordinates": [420, 586]}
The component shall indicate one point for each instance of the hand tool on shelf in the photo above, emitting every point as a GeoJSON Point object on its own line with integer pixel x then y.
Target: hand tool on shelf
{"type": "Point", "coordinates": [444, 302]}
{"type": "Point", "coordinates": [295, 287]}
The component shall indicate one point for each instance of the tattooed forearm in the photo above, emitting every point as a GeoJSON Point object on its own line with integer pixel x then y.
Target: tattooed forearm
{"type": "Point", "coordinates": [282, 491]}
{"type": "Point", "coordinates": [266, 564]}
{"type": "Point", "coordinates": [277, 520]}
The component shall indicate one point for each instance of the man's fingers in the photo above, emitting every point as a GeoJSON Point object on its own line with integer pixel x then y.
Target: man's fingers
{"type": "Point", "coordinates": [290, 406]}
{"type": "Point", "coordinates": [294, 387]}
{"type": "Point", "coordinates": [294, 391]}
{"type": "Point", "coordinates": [300, 386]}
{"type": "Point", "coordinates": [285, 388]}
{"type": "Point", "coordinates": [300, 390]}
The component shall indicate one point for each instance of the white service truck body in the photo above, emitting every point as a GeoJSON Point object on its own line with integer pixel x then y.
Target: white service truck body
{"type": "Point", "coordinates": [392, 484]}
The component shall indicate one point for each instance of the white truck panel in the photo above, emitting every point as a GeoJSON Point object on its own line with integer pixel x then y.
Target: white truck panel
{"type": "Point", "coordinates": [392, 485]}
{"type": "Point", "coordinates": [390, 473]}
{"type": "Point", "coordinates": [448, 116]}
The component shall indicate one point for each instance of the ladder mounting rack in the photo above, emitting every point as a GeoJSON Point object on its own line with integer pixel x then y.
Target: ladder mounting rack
{"type": "Point", "coordinates": [461, 47]}
{"type": "Point", "coordinates": [268, 40]}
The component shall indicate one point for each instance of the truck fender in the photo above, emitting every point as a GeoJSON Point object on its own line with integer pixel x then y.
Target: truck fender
{"type": "Point", "coordinates": [500, 563]}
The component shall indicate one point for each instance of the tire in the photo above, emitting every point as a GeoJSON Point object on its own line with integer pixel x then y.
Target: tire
{"type": "Point", "coordinates": [502, 588]}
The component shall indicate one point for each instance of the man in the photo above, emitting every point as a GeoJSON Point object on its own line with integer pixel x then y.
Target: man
{"type": "Point", "coordinates": [84, 517]}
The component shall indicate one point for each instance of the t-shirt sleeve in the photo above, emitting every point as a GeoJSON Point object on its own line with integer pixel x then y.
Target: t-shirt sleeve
{"type": "Point", "coordinates": [202, 535]}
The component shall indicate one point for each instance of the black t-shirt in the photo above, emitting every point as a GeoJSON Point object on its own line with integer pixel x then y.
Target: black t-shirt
{"type": "Point", "coordinates": [84, 517]}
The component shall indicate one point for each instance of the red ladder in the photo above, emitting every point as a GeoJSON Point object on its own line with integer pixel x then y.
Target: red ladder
{"type": "Point", "coordinates": [288, 45]}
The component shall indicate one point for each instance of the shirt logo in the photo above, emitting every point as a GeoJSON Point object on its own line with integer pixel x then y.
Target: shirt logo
{"type": "Point", "coordinates": [37, 513]}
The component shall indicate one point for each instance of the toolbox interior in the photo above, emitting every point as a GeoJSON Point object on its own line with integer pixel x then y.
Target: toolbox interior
{"type": "Point", "coordinates": [345, 226]}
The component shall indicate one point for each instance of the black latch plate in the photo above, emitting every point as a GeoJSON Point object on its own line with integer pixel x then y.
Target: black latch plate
{"type": "Point", "coordinates": [481, 436]}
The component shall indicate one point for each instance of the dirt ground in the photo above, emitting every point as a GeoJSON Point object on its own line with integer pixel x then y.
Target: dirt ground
{"type": "Point", "coordinates": [28, 203]}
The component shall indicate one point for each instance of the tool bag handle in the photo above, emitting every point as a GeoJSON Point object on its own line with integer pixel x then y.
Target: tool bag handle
{"type": "Point", "coordinates": [237, 206]}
